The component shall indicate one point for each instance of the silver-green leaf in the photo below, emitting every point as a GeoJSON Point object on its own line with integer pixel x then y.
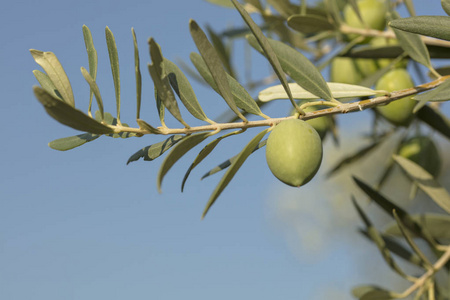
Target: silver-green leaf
{"type": "Point", "coordinates": [114, 61]}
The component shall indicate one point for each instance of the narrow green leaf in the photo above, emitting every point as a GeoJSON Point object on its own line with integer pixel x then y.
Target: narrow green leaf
{"type": "Point", "coordinates": [338, 90]}
{"type": "Point", "coordinates": [376, 237]}
{"type": "Point", "coordinates": [446, 6]}
{"type": "Point", "coordinates": [234, 167]}
{"type": "Point", "coordinates": [412, 44]}
{"type": "Point", "coordinates": [388, 206]}
{"type": "Point", "coordinates": [410, 7]}
{"type": "Point", "coordinates": [204, 153]}
{"type": "Point", "coordinates": [114, 61]}
{"type": "Point", "coordinates": [355, 8]}
{"type": "Point", "coordinates": [299, 68]}
{"type": "Point", "coordinates": [161, 81]}
{"type": "Point", "coordinates": [94, 89]}
{"type": "Point", "coordinates": [224, 3]}
{"type": "Point", "coordinates": [67, 115]}
{"type": "Point", "coordinates": [437, 224]}
{"type": "Point", "coordinates": [230, 161]}
{"type": "Point", "coordinates": [51, 65]}
{"type": "Point", "coordinates": [154, 151]}
{"type": "Point", "coordinates": [266, 47]}
{"type": "Point", "coordinates": [181, 149]}
{"type": "Point", "coordinates": [144, 125]}
{"type": "Point", "coordinates": [110, 120]}
{"type": "Point", "coordinates": [284, 7]}
{"type": "Point", "coordinates": [92, 59]}
{"type": "Point", "coordinates": [160, 107]}
{"type": "Point", "coordinates": [310, 23]}
{"type": "Point", "coordinates": [183, 89]}
{"type": "Point", "coordinates": [222, 50]}
{"type": "Point", "coordinates": [441, 93]}
{"type": "Point", "coordinates": [47, 84]}
{"type": "Point", "coordinates": [214, 65]}
{"type": "Point", "coordinates": [434, 26]}
{"type": "Point", "coordinates": [359, 291]}
{"type": "Point", "coordinates": [241, 97]}
{"type": "Point", "coordinates": [426, 182]}
{"type": "Point", "coordinates": [435, 120]}
{"type": "Point", "coordinates": [380, 295]}
{"type": "Point", "coordinates": [137, 71]}
{"type": "Point", "coordinates": [71, 142]}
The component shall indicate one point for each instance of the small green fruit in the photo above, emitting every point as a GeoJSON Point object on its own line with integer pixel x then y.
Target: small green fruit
{"type": "Point", "coordinates": [398, 112]}
{"type": "Point", "coordinates": [294, 152]}
{"type": "Point", "coordinates": [373, 12]}
{"type": "Point", "coordinates": [422, 151]}
{"type": "Point", "coordinates": [320, 124]}
{"type": "Point", "coordinates": [384, 62]}
{"type": "Point", "coordinates": [351, 71]}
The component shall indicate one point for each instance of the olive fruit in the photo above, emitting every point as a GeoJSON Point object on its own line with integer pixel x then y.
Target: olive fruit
{"type": "Point", "coordinates": [398, 112]}
{"type": "Point", "coordinates": [320, 124]}
{"type": "Point", "coordinates": [422, 151]}
{"type": "Point", "coordinates": [384, 62]}
{"type": "Point", "coordinates": [351, 71]}
{"type": "Point", "coordinates": [373, 12]}
{"type": "Point", "coordinates": [294, 152]}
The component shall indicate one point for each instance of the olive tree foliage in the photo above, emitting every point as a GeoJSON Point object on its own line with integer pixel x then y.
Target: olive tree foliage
{"type": "Point", "coordinates": [366, 45]}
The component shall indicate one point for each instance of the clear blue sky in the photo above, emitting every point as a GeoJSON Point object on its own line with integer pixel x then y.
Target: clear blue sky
{"type": "Point", "coordinates": [83, 225]}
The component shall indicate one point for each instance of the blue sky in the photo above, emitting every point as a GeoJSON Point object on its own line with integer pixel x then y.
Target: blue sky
{"type": "Point", "coordinates": [83, 225]}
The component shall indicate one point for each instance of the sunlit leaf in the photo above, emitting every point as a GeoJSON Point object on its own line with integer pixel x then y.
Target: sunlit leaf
{"type": "Point", "coordinates": [71, 142]}
{"type": "Point", "coordinates": [437, 224]}
{"type": "Point", "coordinates": [161, 81]}
{"type": "Point", "coordinates": [234, 167]}
{"type": "Point", "coordinates": [412, 44]}
{"type": "Point", "coordinates": [388, 206]}
{"type": "Point", "coordinates": [51, 65]}
{"type": "Point", "coordinates": [284, 7]}
{"type": "Point", "coordinates": [94, 89]}
{"type": "Point", "coordinates": [110, 120]}
{"type": "Point", "coordinates": [241, 97]}
{"type": "Point", "coordinates": [137, 71]}
{"type": "Point", "coordinates": [204, 153]}
{"type": "Point", "coordinates": [446, 6]}
{"type": "Point", "coordinates": [309, 23]}
{"type": "Point", "coordinates": [47, 84]}
{"type": "Point", "coordinates": [67, 115]}
{"type": "Point", "coordinates": [338, 90]}
{"type": "Point", "coordinates": [224, 3]}
{"type": "Point", "coordinates": [359, 291]}
{"type": "Point", "coordinates": [426, 182]}
{"type": "Point", "coordinates": [299, 68]}
{"type": "Point", "coordinates": [441, 93]}
{"type": "Point", "coordinates": [144, 125]}
{"type": "Point", "coordinates": [215, 67]}
{"type": "Point", "coordinates": [434, 26]}
{"type": "Point", "coordinates": [266, 48]}
{"type": "Point", "coordinates": [92, 59]}
{"type": "Point", "coordinates": [379, 295]}
{"type": "Point", "coordinates": [114, 61]}
{"type": "Point", "coordinates": [229, 161]}
{"type": "Point", "coordinates": [154, 151]}
{"type": "Point", "coordinates": [181, 149]}
{"type": "Point", "coordinates": [435, 120]}
{"type": "Point", "coordinates": [222, 50]}
{"type": "Point", "coordinates": [183, 89]}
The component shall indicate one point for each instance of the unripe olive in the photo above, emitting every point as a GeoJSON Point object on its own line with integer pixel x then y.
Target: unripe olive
{"type": "Point", "coordinates": [373, 12]}
{"type": "Point", "coordinates": [320, 124]}
{"type": "Point", "coordinates": [384, 62]}
{"type": "Point", "coordinates": [398, 112]}
{"type": "Point", "coordinates": [350, 70]}
{"type": "Point", "coordinates": [294, 152]}
{"type": "Point", "coordinates": [422, 151]}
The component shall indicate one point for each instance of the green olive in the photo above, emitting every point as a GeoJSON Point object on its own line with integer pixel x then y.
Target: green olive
{"type": "Point", "coordinates": [373, 12]}
{"type": "Point", "coordinates": [384, 62]}
{"type": "Point", "coordinates": [351, 71]}
{"type": "Point", "coordinates": [294, 152]}
{"type": "Point", "coordinates": [422, 151]}
{"type": "Point", "coordinates": [320, 124]}
{"type": "Point", "coordinates": [398, 112]}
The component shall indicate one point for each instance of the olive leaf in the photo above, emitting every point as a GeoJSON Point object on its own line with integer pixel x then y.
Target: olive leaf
{"type": "Point", "coordinates": [47, 84]}
{"type": "Point", "coordinates": [92, 59]}
{"type": "Point", "coordinates": [71, 142]}
{"type": "Point", "coordinates": [110, 120]}
{"type": "Point", "coordinates": [154, 151]}
{"type": "Point", "coordinates": [94, 89]}
{"type": "Point", "coordinates": [441, 93]}
{"type": "Point", "coordinates": [181, 149]}
{"type": "Point", "coordinates": [68, 115]}
{"type": "Point", "coordinates": [241, 97]}
{"type": "Point", "coordinates": [214, 64]}
{"type": "Point", "coordinates": [137, 71]}
{"type": "Point", "coordinates": [435, 120]}
{"type": "Point", "coordinates": [425, 181]}
{"type": "Point", "coordinates": [234, 167]}
{"type": "Point", "coordinates": [204, 153]}
{"type": "Point", "coordinates": [114, 61]}
{"type": "Point", "coordinates": [437, 224]}
{"type": "Point", "coordinates": [144, 125]}
{"type": "Point", "coordinates": [338, 90]}
{"type": "Point", "coordinates": [434, 26]}
{"type": "Point", "coordinates": [222, 49]}
{"type": "Point", "coordinates": [310, 23]}
{"type": "Point", "coordinates": [266, 48]}
{"type": "Point", "coordinates": [51, 65]}
{"type": "Point", "coordinates": [162, 84]}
